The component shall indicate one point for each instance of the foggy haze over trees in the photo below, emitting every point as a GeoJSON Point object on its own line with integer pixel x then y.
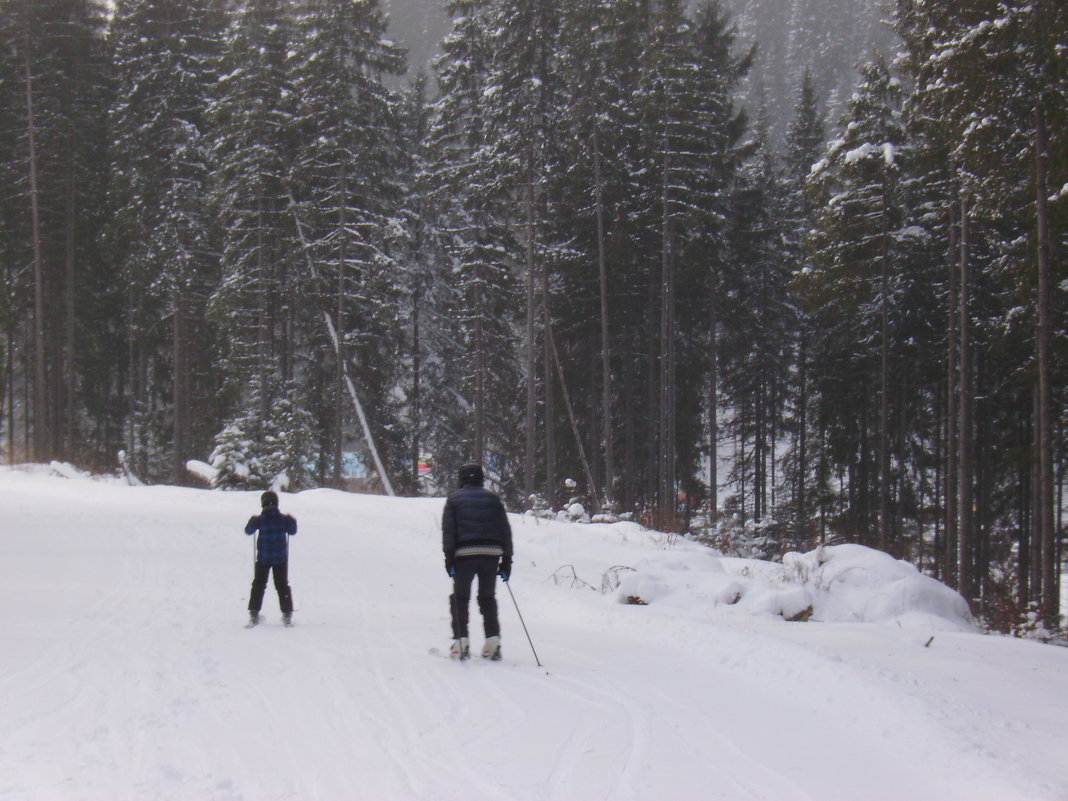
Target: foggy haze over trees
{"type": "Point", "coordinates": [765, 276]}
{"type": "Point", "coordinates": [829, 38]}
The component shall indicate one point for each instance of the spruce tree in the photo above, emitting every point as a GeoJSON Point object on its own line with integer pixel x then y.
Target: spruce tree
{"type": "Point", "coordinates": [346, 186]}
{"type": "Point", "coordinates": [166, 62]}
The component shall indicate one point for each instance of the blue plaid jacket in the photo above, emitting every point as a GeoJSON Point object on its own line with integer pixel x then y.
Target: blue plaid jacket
{"type": "Point", "coordinates": [273, 547]}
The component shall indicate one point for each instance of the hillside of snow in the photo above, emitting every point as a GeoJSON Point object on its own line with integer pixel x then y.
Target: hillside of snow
{"type": "Point", "coordinates": [668, 671]}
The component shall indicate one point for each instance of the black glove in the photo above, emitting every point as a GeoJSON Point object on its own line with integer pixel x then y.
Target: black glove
{"type": "Point", "coordinates": [504, 570]}
{"type": "Point", "coordinates": [450, 564]}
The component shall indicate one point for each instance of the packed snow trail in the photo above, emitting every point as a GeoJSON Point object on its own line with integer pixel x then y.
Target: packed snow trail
{"type": "Point", "coordinates": [126, 673]}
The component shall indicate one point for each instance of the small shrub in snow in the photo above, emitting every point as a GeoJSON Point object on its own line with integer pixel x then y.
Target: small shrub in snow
{"type": "Point", "coordinates": [1032, 627]}
{"type": "Point", "coordinates": [611, 578]}
{"type": "Point", "coordinates": [731, 537]}
{"type": "Point", "coordinates": [577, 512]}
{"type": "Point", "coordinates": [566, 573]}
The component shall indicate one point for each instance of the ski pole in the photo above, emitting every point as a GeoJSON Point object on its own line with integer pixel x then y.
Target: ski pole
{"type": "Point", "coordinates": [509, 586]}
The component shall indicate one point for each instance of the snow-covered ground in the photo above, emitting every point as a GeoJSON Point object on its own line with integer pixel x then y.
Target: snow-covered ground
{"type": "Point", "coordinates": [126, 674]}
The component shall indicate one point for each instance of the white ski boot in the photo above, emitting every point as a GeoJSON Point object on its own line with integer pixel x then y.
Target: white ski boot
{"type": "Point", "coordinates": [461, 649]}
{"type": "Point", "coordinates": [492, 648]}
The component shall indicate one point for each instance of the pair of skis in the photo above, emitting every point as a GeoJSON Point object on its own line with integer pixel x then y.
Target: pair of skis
{"type": "Point", "coordinates": [255, 621]}
{"type": "Point", "coordinates": [463, 654]}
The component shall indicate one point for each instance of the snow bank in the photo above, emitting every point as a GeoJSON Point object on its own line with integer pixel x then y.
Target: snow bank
{"type": "Point", "coordinates": [854, 584]}
{"type": "Point", "coordinates": [836, 584]}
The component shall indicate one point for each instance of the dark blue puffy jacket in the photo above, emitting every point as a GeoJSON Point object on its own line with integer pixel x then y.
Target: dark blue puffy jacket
{"type": "Point", "coordinates": [475, 516]}
{"type": "Point", "coordinates": [274, 527]}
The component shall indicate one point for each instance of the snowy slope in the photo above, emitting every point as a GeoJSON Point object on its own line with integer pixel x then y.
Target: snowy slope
{"type": "Point", "coordinates": [125, 672]}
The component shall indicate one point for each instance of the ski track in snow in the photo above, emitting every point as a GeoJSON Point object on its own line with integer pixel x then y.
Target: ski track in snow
{"type": "Point", "coordinates": [126, 674]}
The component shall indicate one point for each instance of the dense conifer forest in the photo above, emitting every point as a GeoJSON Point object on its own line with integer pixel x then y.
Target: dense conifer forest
{"type": "Point", "coordinates": [602, 246]}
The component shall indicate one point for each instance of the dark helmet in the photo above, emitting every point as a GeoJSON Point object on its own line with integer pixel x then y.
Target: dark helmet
{"type": "Point", "coordinates": [269, 499]}
{"type": "Point", "coordinates": [471, 473]}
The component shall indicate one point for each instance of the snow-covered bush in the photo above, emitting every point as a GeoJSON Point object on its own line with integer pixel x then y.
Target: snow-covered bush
{"type": "Point", "coordinates": [233, 459]}
{"type": "Point", "coordinates": [538, 507]}
{"type": "Point", "coordinates": [251, 453]}
{"type": "Point", "coordinates": [855, 584]}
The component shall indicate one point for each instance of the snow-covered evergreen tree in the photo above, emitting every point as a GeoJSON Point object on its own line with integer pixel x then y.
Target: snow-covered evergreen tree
{"type": "Point", "coordinates": [166, 63]}
{"type": "Point", "coordinates": [860, 245]}
{"type": "Point", "coordinates": [253, 151]}
{"type": "Point", "coordinates": [477, 348]}
{"type": "Point", "coordinates": [346, 181]}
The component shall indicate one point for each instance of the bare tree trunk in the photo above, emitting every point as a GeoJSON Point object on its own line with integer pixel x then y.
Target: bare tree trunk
{"type": "Point", "coordinates": [606, 362]}
{"type": "Point", "coordinates": [802, 436]}
{"type": "Point", "coordinates": [1043, 423]}
{"type": "Point", "coordinates": [739, 458]}
{"type": "Point", "coordinates": [713, 422]}
{"type": "Point", "coordinates": [1026, 506]}
{"type": "Point", "coordinates": [629, 445]}
{"type": "Point", "coordinates": [263, 332]}
{"type": "Point", "coordinates": [966, 543]}
{"type": "Point", "coordinates": [1034, 534]}
{"type": "Point", "coordinates": [417, 411]}
{"type": "Point", "coordinates": [938, 491]}
{"type": "Point", "coordinates": [550, 398]}
{"type": "Point", "coordinates": [180, 376]}
{"type": "Point", "coordinates": [342, 324]}
{"type": "Point", "coordinates": [480, 376]}
{"type": "Point", "coordinates": [69, 381]}
{"type": "Point", "coordinates": [666, 493]}
{"type": "Point", "coordinates": [531, 375]}
{"type": "Point", "coordinates": [949, 556]}
{"type": "Point", "coordinates": [41, 431]}
{"type": "Point", "coordinates": [884, 388]}
{"type": "Point", "coordinates": [649, 422]}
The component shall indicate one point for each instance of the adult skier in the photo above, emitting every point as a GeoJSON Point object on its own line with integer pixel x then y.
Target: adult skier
{"type": "Point", "coordinates": [272, 554]}
{"type": "Point", "coordinates": [477, 541]}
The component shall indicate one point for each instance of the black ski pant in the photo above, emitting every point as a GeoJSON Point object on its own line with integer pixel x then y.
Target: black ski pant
{"type": "Point", "coordinates": [281, 583]}
{"type": "Point", "coordinates": [467, 567]}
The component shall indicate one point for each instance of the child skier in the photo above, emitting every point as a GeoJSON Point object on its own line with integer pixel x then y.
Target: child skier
{"type": "Point", "coordinates": [272, 553]}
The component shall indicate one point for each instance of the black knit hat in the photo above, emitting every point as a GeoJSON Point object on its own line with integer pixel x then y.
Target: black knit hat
{"type": "Point", "coordinates": [269, 498]}
{"type": "Point", "coordinates": [471, 473]}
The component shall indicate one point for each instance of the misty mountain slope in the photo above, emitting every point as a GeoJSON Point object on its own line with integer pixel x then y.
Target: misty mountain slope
{"type": "Point", "coordinates": [125, 671]}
